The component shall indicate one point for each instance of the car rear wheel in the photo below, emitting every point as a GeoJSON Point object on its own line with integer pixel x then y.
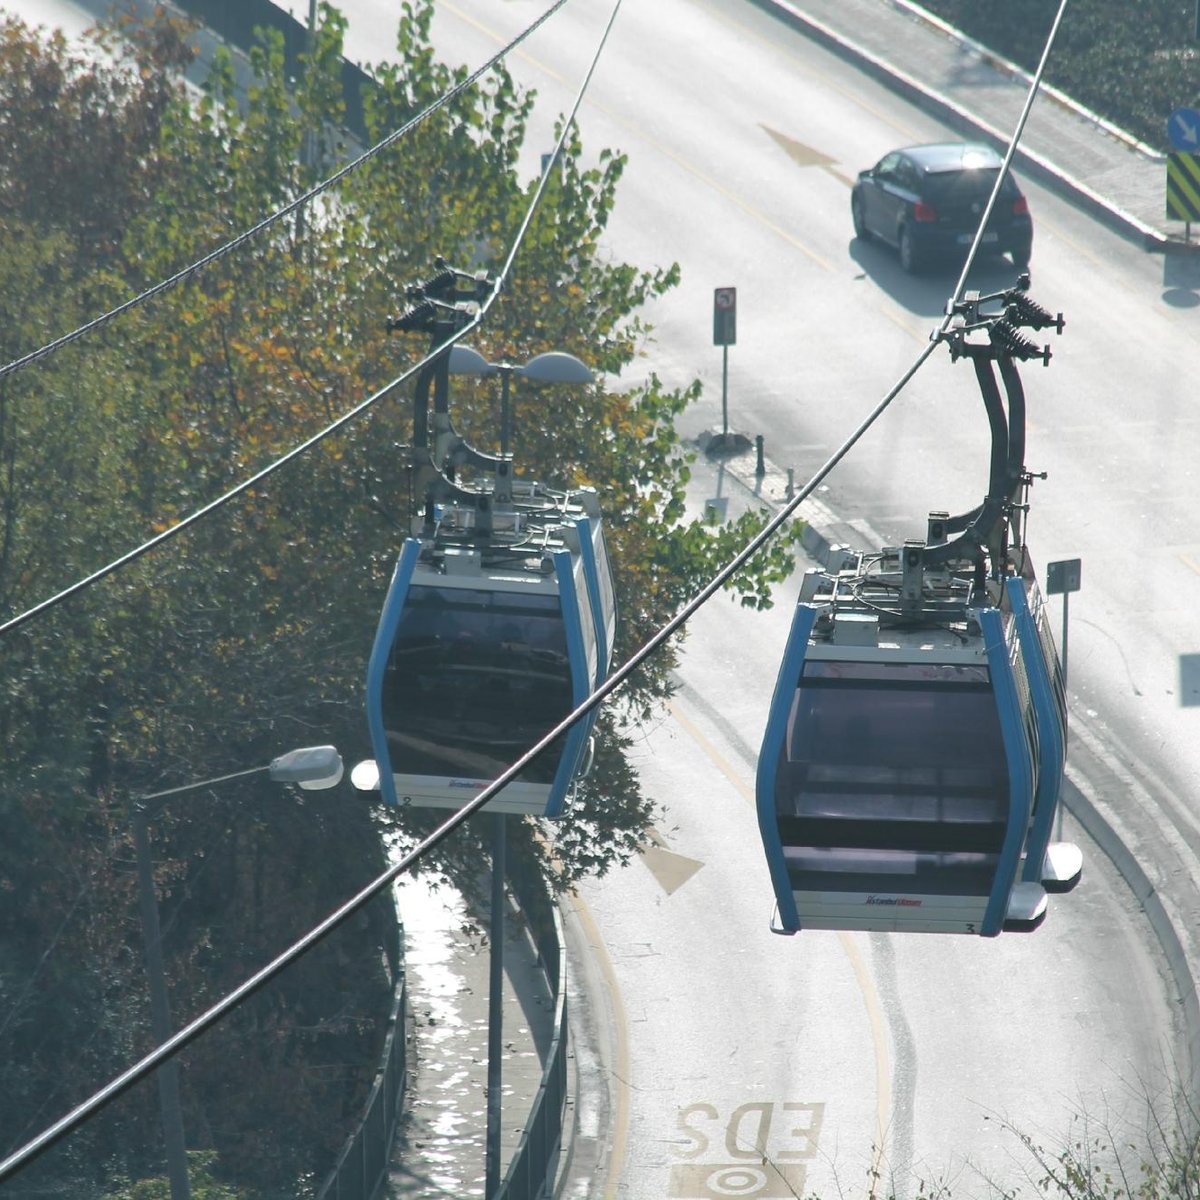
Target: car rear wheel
{"type": "Point", "coordinates": [856, 214]}
{"type": "Point", "coordinates": [1020, 256]}
{"type": "Point", "coordinates": [910, 258]}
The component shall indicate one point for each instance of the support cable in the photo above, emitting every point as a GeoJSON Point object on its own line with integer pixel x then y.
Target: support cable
{"type": "Point", "coordinates": [1005, 166]}
{"type": "Point", "coordinates": [275, 217]}
{"type": "Point", "coordinates": [199, 514]}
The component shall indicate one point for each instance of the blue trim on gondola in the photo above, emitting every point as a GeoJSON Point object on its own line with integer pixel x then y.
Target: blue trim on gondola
{"type": "Point", "coordinates": [581, 686]}
{"type": "Point", "coordinates": [389, 620]}
{"type": "Point", "coordinates": [591, 572]}
{"type": "Point", "coordinates": [786, 685]}
{"type": "Point", "coordinates": [1020, 769]}
{"type": "Point", "coordinates": [1050, 732]}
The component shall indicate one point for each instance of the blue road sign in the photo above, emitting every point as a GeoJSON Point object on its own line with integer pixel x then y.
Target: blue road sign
{"type": "Point", "coordinates": [1183, 128]}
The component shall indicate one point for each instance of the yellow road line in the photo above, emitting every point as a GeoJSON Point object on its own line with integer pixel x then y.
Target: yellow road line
{"type": "Point", "coordinates": [658, 146]}
{"type": "Point", "coordinates": [886, 116]}
{"type": "Point", "coordinates": [620, 1068]}
{"type": "Point", "coordinates": [735, 200]}
{"type": "Point", "coordinates": [871, 1001]}
{"type": "Point", "coordinates": [883, 1066]}
{"type": "Point", "coordinates": [501, 40]}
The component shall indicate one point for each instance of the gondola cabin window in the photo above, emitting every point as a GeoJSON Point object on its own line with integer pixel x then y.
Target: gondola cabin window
{"type": "Point", "coordinates": [474, 678]}
{"type": "Point", "coordinates": [896, 769]}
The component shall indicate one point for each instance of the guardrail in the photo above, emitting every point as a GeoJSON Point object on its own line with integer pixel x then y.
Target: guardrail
{"type": "Point", "coordinates": [235, 21]}
{"type": "Point", "coordinates": [362, 1167]}
{"type": "Point", "coordinates": [533, 1168]}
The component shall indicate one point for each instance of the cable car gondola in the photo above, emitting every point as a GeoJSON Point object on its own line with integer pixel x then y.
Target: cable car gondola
{"type": "Point", "coordinates": [910, 769]}
{"type": "Point", "coordinates": [499, 620]}
{"type": "Point", "coordinates": [479, 653]}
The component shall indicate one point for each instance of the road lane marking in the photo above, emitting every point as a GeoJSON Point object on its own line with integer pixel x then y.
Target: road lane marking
{"type": "Point", "coordinates": [639, 132]}
{"type": "Point", "coordinates": [620, 1069]}
{"type": "Point", "coordinates": [876, 1018]}
{"type": "Point", "coordinates": [883, 1065]}
{"type": "Point", "coordinates": [670, 870]}
{"type": "Point", "coordinates": [721, 1160]}
{"type": "Point", "coordinates": [736, 200]}
{"type": "Point", "coordinates": [853, 92]}
{"type": "Point", "coordinates": [904, 321]}
{"type": "Point", "coordinates": [807, 156]}
{"type": "Point", "coordinates": [501, 40]}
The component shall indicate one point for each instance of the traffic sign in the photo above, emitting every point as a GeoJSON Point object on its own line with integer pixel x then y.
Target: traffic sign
{"type": "Point", "coordinates": [725, 316]}
{"type": "Point", "coordinates": [1183, 129]}
{"type": "Point", "coordinates": [1064, 576]}
{"type": "Point", "coordinates": [1183, 187]}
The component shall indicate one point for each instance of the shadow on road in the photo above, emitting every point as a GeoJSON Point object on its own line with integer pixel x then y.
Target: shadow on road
{"type": "Point", "coordinates": [1181, 280]}
{"type": "Point", "coordinates": [925, 294]}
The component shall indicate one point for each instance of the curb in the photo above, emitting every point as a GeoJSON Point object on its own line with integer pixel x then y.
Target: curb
{"type": "Point", "coordinates": [1086, 809]}
{"type": "Point", "coordinates": [1035, 165]}
{"type": "Point", "coordinates": [918, 13]}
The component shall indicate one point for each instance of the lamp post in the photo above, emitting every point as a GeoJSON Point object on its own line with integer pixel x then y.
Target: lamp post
{"type": "Point", "coordinates": [312, 767]}
{"type": "Point", "coordinates": [554, 366]}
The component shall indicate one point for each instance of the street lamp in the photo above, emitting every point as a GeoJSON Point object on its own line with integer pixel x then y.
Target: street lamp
{"type": "Point", "coordinates": [312, 767]}
{"type": "Point", "coordinates": [554, 366]}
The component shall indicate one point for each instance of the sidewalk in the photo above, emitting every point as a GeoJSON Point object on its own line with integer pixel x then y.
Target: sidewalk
{"type": "Point", "coordinates": [440, 1144]}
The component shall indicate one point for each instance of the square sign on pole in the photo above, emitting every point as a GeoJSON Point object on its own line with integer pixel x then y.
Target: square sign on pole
{"type": "Point", "coordinates": [725, 316]}
{"type": "Point", "coordinates": [1063, 576]}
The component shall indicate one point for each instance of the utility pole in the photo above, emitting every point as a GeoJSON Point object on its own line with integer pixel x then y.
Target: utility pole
{"type": "Point", "coordinates": [160, 1014]}
{"type": "Point", "coordinates": [495, 1011]}
{"type": "Point", "coordinates": [308, 147]}
{"type": "Point", "coordinates": [312, 767]}
{"type": "Point", "coordinates": [308, 154]}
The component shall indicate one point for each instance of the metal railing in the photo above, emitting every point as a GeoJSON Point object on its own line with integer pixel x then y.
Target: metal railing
{"type": "Point", "coordinates": [532, 1171]}
{"type": "Point", "coordinates": [362, 1167]}
{"type": "Point", "coordinates": [234, 21]}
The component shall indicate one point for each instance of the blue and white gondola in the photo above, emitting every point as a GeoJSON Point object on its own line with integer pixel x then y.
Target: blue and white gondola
{"type": "Point", "coordinates": [910, 768]}
{"type": "Point", "coordinates": [1056, 865]}
{"type": "Point", "coordinates": [601, 586]}
{"type": "Point", "coordinates": [480, 652]}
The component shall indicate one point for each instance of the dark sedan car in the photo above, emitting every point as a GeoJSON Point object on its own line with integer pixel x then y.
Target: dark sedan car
{"type": "Point", "coordinates": [927, 201]}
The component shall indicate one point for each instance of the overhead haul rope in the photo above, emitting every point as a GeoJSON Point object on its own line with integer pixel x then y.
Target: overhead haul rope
{"type": "Point", "coordinates": [1005, 166]}
{"type": "Point", "coordinates": [266, 223]}
{"type": "Point", "coordinates": [199, 514]}
{"type": "Point", "coordinates": [298, 949]}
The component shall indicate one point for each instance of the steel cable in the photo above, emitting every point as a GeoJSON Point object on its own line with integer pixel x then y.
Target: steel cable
{"type": "Point", "coordinates": [275, 217]}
